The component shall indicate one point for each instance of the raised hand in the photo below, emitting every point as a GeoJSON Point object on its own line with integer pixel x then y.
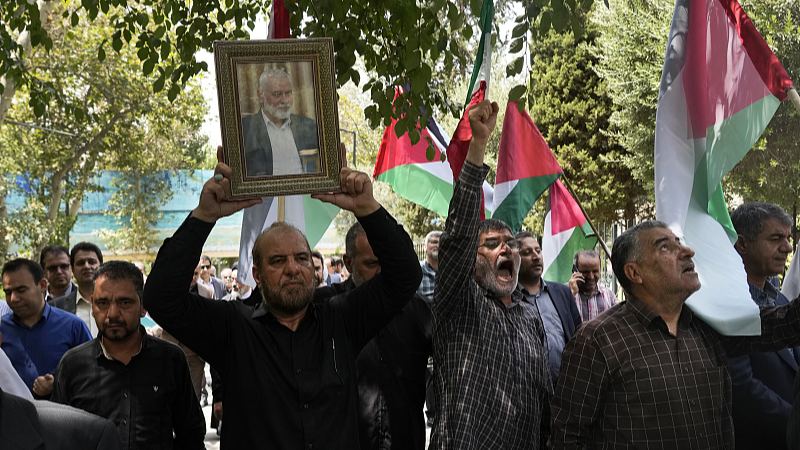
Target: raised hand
{"type": "Point", "coordinates": [356, 195]}
{"type": "Point", "coordinates": [214, 203]}
{"type": "Point", "coordinates": [482, 120]}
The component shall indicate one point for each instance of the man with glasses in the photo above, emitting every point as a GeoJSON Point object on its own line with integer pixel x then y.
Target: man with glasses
{"type": "Point", "coordinates": [84, 259]}
{"type": "Point", "coordinates": [492, 379]}
{"type": "Point", "coordinates": [54, 259]}
{"type": "Point", "coordinates": [210, 281]}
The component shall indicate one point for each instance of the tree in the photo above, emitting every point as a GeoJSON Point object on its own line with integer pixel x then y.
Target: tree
{"type": "Point", "coordinates": [572, 112]}
{"type": "Point", "coordinates": [417, 43]}
{"type": "Point", "coordinates": [106, 114]}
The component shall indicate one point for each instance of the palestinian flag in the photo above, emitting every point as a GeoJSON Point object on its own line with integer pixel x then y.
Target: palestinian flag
{"type": "Point", "coordinates": [309, 215]}
{"type": "Point", "coordinates": [525, 168]}
{"type": "Point", "coordinates": [566, 232]}
{"type": "Point", "coordinates": [406, 168]}
{"type": "Point", "coordinates": [720, 86]}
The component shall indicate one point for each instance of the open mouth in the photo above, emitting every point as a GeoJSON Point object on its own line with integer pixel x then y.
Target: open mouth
{"type": "Point", "coordinates": [689, 269]}
{"type": "Point", "coordinates": [505, 270]}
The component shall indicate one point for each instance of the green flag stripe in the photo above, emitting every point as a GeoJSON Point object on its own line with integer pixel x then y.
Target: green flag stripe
{"type": "Point", "coordinates": [520, 200]}
{"type": "Point", "coordinates": [560, 270]}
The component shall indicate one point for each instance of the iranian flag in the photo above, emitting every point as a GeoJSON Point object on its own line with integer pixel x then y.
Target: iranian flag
{"type": "Point", "coordinates": [566, 232]}
{"type": "Point", "coordinates": [720, 86]}
{"type": "Point", "coordinates": [309, 215]}
{"type": "Point", "coordinates": [525, 168]}
{"type": "Point", "coordinates": [406, 168]}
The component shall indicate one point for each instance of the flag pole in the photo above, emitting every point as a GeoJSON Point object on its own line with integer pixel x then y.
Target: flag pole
{"type": "Point", "coordinates": [281, 209]}
{"type": "Point", "coordinates": [599, 238]}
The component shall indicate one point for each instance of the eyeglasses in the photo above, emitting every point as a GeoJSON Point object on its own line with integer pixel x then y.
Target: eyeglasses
{"type": "Point", "coordinates": [492, 244]}
{"type": "Point", "coordinates": [61, 267]}
{"type": "Point", "coordinates": [205, 267]}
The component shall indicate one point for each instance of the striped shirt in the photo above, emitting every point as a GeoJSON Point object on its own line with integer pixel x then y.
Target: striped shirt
{"type": "Point", "coordinates": [598, 301]}
{"type": "Point", "coordinates": [428, 278]}
{"type": "Point", "coordinates": [492, 381]}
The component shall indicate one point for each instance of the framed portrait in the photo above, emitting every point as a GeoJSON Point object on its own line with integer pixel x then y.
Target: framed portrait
{"type": "Point", "coordinates": [280, 123]}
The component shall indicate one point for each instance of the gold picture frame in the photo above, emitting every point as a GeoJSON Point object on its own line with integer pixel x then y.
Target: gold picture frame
{"type": "Point", "coordinates": [279, 116]}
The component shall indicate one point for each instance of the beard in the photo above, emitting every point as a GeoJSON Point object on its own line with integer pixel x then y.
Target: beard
{"type": "Point", "coordinates": [529, 274]}
{"type": "Point", "coordinates": [277, 112]}
{"type": "Point", "coordinates": [486, 276]}
{"type": "Point", "coordinates": [358, 280]}
{"type": "Point", "coordinates": [434, 255]}
{"type": "Point", "coordinates": [122, 333]}
{"type": "Point", "coordinates": [290, 302]}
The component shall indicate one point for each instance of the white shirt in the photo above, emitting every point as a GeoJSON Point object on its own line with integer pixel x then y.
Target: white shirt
{"type": "Point", "coordinates": [83, 309]}
{"type": "Point", "coordinates": [285, 159]}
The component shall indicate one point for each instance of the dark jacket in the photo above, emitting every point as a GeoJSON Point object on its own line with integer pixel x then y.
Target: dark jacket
{"type": "Point", "coordinates": [42, 425]}
{"type": "Point", "coordinates": [391, 372]}
{"type": "Point", "coordinates": [763, 393]}
{"type": "Point", "coordinates": [68, 303]}
{"type": "Point", "coordinates": [257, 146]}
{"type": "Point", "coordinates": [567, 309]}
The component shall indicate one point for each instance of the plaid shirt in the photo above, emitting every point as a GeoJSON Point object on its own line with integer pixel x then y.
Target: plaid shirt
{"type": "Point", "coordinates": [491, 381]}
{"type": "Point", "coordinates": [428, 277]}
{"type": "Point", "coordinates": [632, 384]}
{"type": "Point", "coordinates": [600, 300]}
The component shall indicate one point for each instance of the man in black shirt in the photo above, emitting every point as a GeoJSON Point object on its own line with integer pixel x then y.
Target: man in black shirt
{"type": "Point", "coordinates": [392, 367]}
{"type": "Point", "coordinates": [289, 367]}
{"type": "Point", "coordinates": [139, 382]}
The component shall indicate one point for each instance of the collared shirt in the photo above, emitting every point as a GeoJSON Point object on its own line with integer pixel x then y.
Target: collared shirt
{"type": "Point", "coordinates": [553, 328]}
{"type": "Point", "coordinates": [428, 279]}
{"type": "Point", "coordinates": [284, 389]}
{"type": "Point", "coordinates": [148, 399]}
{"type": "Point", "coordinates": [285, 158]}
{"type": "Point", "coordinates": [392, 371]}
{"type": "Point", "coordinates": [632, 384]}
{"type": "Point", "coordinates": [590, 306]}
{"type": "Point", "coordinates": [48, 296]}
{"type": "Point", "coordinates": [763, 297]}
{"type": "Point", "coordinates": [492, 378]}
{"type": "Point", "coordinates": [36, 350]}
{"type": "Point", "coordinates": [4, 309]}
{"type": "Point", "coordinates": [83, 309]}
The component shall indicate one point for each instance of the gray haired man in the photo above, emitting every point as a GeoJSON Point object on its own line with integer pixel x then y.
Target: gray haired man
{"type": "Point", "coordinates": [274, 137]}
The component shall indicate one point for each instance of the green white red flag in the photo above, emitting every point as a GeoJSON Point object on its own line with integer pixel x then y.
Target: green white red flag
{"type": "Point", "coordinates": [526, 167]}
{"type": "Point", "coordinates": [566, 232]}
{"type": "Point", "coordinates": [720, 87]}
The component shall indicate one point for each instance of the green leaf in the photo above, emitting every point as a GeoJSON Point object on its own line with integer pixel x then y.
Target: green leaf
{"type": "Point", "coordinates": [127, 35]}
{"type": "Point", "coordinates": [158, 85]}
{"type": "Point", "coordinates": [577, 28]}
{"type": "Point", "coordinates": [173, 92]}
{"type": "Point", "coordinates": [519, 30]}
{"type": "Point", "coordinates": [442, 156]}
{"type": "Point", "coordinates": [572, 5]}
{"type": "Point", "coordinates": [467, 32]}
{"type": "Point", "coordinates": [412, 59]}
{"type": "Point", "coordinates": [430, 152]}
{"type": "Point", "coordinates": [516, 45]}
{"type": "Point", "coordinates": [559, 19]}
{"type": "Point", "coordinates": [441, 44]}
{"type": "Point", "coordinates": [101, 54]}
{"type": "Point", "coordinates": [74, 19]}
{"type": "Point", "coordinates": [79, 114]}
{"type": "Point", "coordinates": [116, 44]}
{"type": "Point", "coordinates": [521, 107]}
{"type": "Point", "coordinates": [38, 109]}
{"type": "Point", "coordinates": [517, 92]}
{"type": "Point", "coordinates": [143, 53]}
{"type": "Point", "coordinates": [417, 82]}
{"type": "Point", "coordinates": [2, 88]}
{"type": "Point", "coordinates": [400, 128]}
{"type": "Point", "coordinates": [413, 135]}
{"type": "Point", "coordinates": [515, 67]}
{"type": "Point", "coordinates": [544, 24]}
{"type": "Point", "coordinates": [147, 67]}
{"type": "Point", "coordinates": [475, 6]}
{"type": "Point", "coordinates": [165, 47]}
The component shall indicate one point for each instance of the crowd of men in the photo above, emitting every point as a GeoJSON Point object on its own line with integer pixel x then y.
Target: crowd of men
{"type": "Point", "coordinates": [346, 352]}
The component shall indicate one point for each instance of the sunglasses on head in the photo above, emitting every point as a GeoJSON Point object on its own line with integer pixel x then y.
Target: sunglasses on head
{"type": "Point", "coordinates": [492, 244]}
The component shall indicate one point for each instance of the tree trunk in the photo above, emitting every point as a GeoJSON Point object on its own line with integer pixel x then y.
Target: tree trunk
{"type": "Point", "coordinates": [56, 192]}
{"type": "Point", "coordinates": [24, 41]}
{"type": "Point", "coordinates": [3, 223]}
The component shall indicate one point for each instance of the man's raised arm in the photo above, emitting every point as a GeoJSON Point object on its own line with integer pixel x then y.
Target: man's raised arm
{"type": "Point", "coordinates": [166, 294]}
{"type": "Point", "coordinates": [459, 242]}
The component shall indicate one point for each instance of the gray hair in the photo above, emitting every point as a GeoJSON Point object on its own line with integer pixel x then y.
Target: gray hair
{"type": "Point", "coordinates": [628, 248]}
{"type": "Point", "coordinates": [271, 73]}
{"type": "Point", "coordinates": [432, 234]}
{"type": "Point", "coordinates": [585, 254]}
{"type": "Point", "coordinates": [275, 226]}
{"type": "Point", "coordinates": [493, 224]}
{"type": "Point", "coordinates": [350, 240]}
{"type": "Point", "coordinates": [748, 219]}
{"type": "Point", "coordinates": [121, 270]}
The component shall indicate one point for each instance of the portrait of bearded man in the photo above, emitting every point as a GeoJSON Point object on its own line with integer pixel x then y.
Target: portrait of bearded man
{"type": "Point", "coordinates": [276, 140]}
